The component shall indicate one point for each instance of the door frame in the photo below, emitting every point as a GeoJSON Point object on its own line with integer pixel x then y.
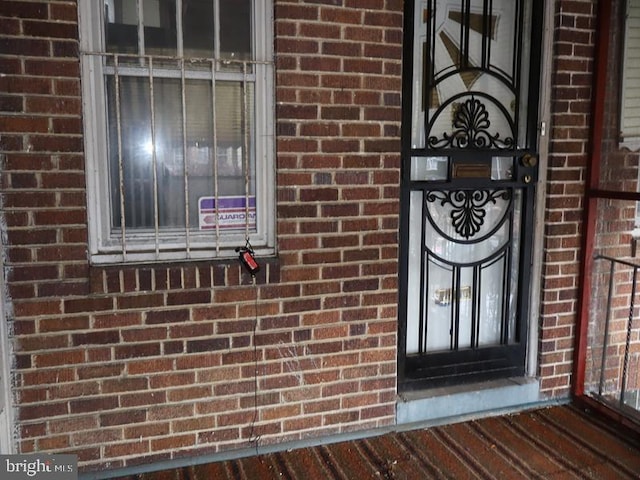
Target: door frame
{"type": "Point", "coordinates": [546, 37]}
{"type": "Point", "coordinates": [544, 140]}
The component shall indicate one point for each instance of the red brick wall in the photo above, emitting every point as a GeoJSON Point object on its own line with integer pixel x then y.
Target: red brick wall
{"type": "Point", "coordinates": [569, 154]}
{"type": "Point", "coordinates": [124, 365]}
{"type": "Point", "coordinates": [128, 365]}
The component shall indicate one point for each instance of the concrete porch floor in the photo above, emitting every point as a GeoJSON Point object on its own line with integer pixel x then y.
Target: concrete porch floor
{"type": "Point", "coordinates": [559, 442]}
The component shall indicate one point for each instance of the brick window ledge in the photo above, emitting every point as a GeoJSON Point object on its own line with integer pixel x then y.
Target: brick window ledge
{"type": "Point", "coordinates": [192, 276]}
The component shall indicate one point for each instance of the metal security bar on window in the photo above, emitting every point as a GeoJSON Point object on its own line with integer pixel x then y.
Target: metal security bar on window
{"type": "Point", "coordinates": [175, 155]}
{"type": "Point", "coordinates": [179, 85]}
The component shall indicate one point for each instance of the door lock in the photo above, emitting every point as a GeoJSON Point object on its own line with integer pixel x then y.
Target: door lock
{"type": "Point", "coordinates": [529, 160]}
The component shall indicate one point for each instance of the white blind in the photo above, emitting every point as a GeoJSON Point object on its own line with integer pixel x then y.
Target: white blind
{"type": "Point", "coordinates": [630, 108]}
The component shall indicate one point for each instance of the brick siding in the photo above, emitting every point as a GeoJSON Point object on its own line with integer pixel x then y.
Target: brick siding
{"type": "Point", "coordinates": [123, 365]}
{"type": "Point", "coordinates": [126, 365]}
{"type": "Point", "coordinates": [569, 154]}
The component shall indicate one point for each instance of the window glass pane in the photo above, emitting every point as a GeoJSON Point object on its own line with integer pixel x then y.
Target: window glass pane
{"type": "Point", "coordinates": [429, 168]}
{"type": "Point", "coordinates": [157, 19]}
{"type": "Point", "coordinates": [235, 29]}
{"type": "Point", "coordinates": [135, 139]}
{"type": "Point", "coordinates": [160, 33]}
{"type": "Point", "coordinates": [233, 128]}
{"type": "Point", "coordinates": [121, 30]}
{"type": "Point", "coordinates": [198, 30]}
{"type": "Point", "coordinates": [169, 152]}
{"type": "Point", "coordinates": [501, 168]}
{"type": "Point", "coordinates": [233, 145]}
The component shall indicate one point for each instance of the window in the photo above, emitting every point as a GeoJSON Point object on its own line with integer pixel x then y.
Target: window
{"type": "Point", "coordinates": [178, 108]}
{"type": "Point", "coordinates": [630, 98]}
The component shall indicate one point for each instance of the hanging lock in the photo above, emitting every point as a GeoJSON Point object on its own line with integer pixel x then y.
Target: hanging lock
{"type": "Point", "coordinates": [248, 260]}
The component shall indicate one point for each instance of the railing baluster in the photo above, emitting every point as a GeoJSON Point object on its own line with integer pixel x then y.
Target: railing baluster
{"type": "Point", "coordinates": [607, 323]}
{"type": "Point", "coordinates": [625, 362]}
{"type": "Point", "coordinates": [617, 398]}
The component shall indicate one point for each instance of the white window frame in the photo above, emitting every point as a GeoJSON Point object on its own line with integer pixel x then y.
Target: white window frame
{"type": "Point", "coordinates": [104, 246]}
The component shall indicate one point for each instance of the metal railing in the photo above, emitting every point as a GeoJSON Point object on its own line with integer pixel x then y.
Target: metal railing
{"type": "Point", "coordinates": [613, 359]}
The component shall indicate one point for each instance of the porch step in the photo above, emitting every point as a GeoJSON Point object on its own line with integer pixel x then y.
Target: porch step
{"type": "Point", "coordinates": [446, 405]}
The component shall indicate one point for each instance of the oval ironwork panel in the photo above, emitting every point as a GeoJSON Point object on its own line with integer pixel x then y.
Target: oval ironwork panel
{"type": "Point", "coordinates": [468, 208]}
{"type": "Point", "coordinates": [471, 125]}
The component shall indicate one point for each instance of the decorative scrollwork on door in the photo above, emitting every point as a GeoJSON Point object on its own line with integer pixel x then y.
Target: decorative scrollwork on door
{"type": "Point", "coordinates": [471, 125]}
{"type": "Point", "coordinates": [468, 207]}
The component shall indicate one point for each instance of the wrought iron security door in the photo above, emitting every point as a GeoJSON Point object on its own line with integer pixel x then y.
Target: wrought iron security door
{"type": "Point", "coordinates": [469, 175]}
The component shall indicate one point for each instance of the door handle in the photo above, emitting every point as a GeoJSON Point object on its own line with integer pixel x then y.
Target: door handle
{"type": "Point", "coordinates": [529, 160]}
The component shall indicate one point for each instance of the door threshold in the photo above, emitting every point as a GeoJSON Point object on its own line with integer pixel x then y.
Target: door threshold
{"type": "Point", "coordinates": [451, 404]}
